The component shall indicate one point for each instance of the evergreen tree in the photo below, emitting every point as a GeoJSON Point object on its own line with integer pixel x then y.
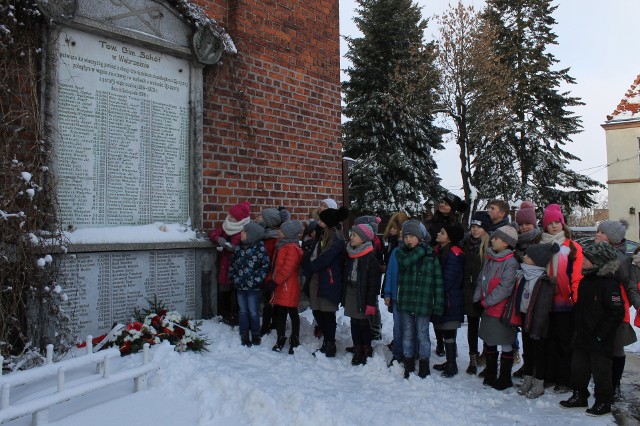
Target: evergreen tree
{"type": "Point", "coordinates": [390, 100]}
{"type": "Point", "coordinates": [541, 122]}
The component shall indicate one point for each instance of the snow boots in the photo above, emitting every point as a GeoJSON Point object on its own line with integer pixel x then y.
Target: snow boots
{"type": "Point", "coordinates": [599, 409]}
{"type": "Point", "coordinates": [537, 389]}
{"type": "Point", "coordinates": [359, 356]}
{"type": "Point", "coordinates": [330, 348]}
{"type": "Point", "coordinates": [294, 342]}
{"type": "Point", "coordinates": [423, 368]}
{"type": "Point", "coordinates": [279, 344]}
{"type": "Point", "coordinates": [244, 339]}
{"type": "Point", "coordinates": [577, 400]}
{"type": "Point", "coordinates": [451, 369]}
{"type": "Point", "coordinates": [473, 363]}
{"type": "Point", "coordinates": [504, 379]}
{"type": "Point", "coordinates": [527, 382]}
{"type": "Point", "coordinates": [409, 366]}
{"type": "Point", "coordinates": [491, 369]}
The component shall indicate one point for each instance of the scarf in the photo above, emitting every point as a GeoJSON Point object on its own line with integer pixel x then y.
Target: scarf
{"type": "Point", "coordinates": [559, 238]}
{"type": "Point", "coordinates": [530, 273]}
{"type": "Point", "coordinates": [527, 237]}
{"type": "Point", "coordinates": [232, 228]}
{"type": "Point", "coordinates": [283, 241]}
{"type": "Point", "coordinates": [270, 233]}
{"type": "Point", "coordinates": [361, 250]}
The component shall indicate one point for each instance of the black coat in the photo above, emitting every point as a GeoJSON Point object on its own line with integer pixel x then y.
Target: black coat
{"type": "Point", "coordinates": [472, 267]}
{"type": "Point", "coordinates": [368, 280]}
{"type": "Point", "coordinates": [598, 313]}
{"type": "Point", "coordinates": [536, 320]}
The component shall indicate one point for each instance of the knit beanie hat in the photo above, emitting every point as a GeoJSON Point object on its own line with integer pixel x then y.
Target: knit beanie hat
{"type": "Point", "coordinates": [552, 213]}
{"type": "Point", "coordinates": [332, 217]}
{"type": "Point", "coordinates": [331, 203]}
{"type": "Point", "coordinates": [255, 232]}
{"type": "Point", "coordinates": [541, 254]}
{"type": "Point", "coordinates": [271, 217]}
{"type": "Point", "coordinates": [600, 254]}
{"type": "Point", "coordinates": [372, 221]}
{"type": "Point", "coordinates": [416, 228]}
{"type": "Point", "coordinates": [284, 214]}
{"type": "Point", "coordinates": [615, 230]}
{"type": "Point", "coordinates": [508, 234]}
{"type": "Point", "coordinates": [240, 211]}
{"type": "Point", "coordinates": [291, 229]}
{"type": "Point", "coordinates": [364, 231]}
{"type": "Point", "coordinates": [455, 232]}
{"type": "Point", "coordinates": [526, 214]}
{"type": "Point", "coordinates": [481, 219]}
{"type": "Point", "coordinates": [456, 203]}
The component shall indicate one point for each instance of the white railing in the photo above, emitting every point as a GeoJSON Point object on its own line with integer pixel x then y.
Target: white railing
{"type": "Point", "coordinates": [39, 407]}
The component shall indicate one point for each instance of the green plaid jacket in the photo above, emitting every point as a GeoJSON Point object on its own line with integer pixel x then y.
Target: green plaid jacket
{"type": "Point", "coordinates": [420, 290]}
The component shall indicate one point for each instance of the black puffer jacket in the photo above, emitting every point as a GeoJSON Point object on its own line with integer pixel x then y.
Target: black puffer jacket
{"type": "Point", "coordinates": [599, 311]}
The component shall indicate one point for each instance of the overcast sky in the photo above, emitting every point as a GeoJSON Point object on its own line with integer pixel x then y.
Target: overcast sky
{"type": "Point", "coordinates": [596, 39]}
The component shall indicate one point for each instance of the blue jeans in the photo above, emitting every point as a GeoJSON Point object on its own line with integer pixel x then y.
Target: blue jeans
{"type": "Point", "coordinates": [248, 304]}
{"type": "Point", "coordinates": [397, 332]}
{"type": "Point", "coordinates": [415, 326]}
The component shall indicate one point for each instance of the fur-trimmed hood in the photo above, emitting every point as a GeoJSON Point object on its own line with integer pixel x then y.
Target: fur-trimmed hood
{"type": "Point", "coordinates": [607, 270]}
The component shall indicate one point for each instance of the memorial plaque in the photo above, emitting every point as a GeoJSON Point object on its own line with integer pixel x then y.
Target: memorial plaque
{"type": "Point", "coordinates": [122, 133]}
{"type": "Point", "coordinates": [104, 288]}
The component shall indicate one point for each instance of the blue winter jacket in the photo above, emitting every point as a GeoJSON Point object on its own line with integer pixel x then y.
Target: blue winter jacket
{"type": "Point", "coordinates": [328, 265]}
{"type": "Point", "coordinates": [391, 276]}
{"type": "Point", "coordinates": [452, 277]}
{"type": "Point", "coordinates": [249, 266]}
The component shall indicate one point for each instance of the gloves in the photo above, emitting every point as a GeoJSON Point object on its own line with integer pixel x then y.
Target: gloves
{"type": "Point", "coordinates": [228, 246]}
{"type": "Point", "coordinates": [221, 241]}
{"type": "Point", "coordinates": [478, 306]}
{"type": "Point", "coordinates": [370, 310]}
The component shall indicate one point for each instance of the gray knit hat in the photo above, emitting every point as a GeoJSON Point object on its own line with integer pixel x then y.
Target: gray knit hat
{"type": "Point", "coordinates": [271, 218]}
{"type": "Point", "coordinates": [372, 221]}
{"type": "Point", "coordinates": [416, 228]}
{"type": "Point", "coordinates": [508, 234]}
{"type": "Point", "coordinates": [254, 231]}
{"type": "Point", "coordinates": [541, 254]}
{"type": "Point", "coordinates": [615, 230]}
{"type": "Point", "coordinates": [291, 229]}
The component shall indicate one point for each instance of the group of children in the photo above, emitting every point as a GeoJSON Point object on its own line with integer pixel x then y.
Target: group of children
{"type": "Point", "coordinates": [571, 304]}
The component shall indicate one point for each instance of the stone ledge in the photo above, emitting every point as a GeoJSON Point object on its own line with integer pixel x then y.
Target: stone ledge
{"type": "Point", "coordinates": [193, 244]}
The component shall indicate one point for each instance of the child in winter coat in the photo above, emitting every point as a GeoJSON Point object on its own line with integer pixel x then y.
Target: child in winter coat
{"type": "Point", "coordinates": [613, 232]}
{"type": "Point", "coordinates": [528, 231]}
{"type": "Point", "coordinates": [391, 235]}
{"type": "Point", "coordinates": [475, 247]}
{"type": "Point", "coordinates": [565, 269]}
{"type": "Point", "coordinates": [598, 313]}
{"type": "Point", "coordinates": [420, 295]}
{"type": "Point", "coordinates": [227, 238]}
{"type": "Point", "coordinates": [532, 301]}
{"type": "Point", "coordinates": [270, 219]}
{"type": "Point", "coordinates": [324, 273]}
{"type": "Point", "coordinates": [361, 289]}
{"type": "Point", "coordinates": [285, 280]}
{"type": "Point", "coordinates": [495, 285]}
{"type": "Point", "coordinates": [451, 260]}
{"type": "Point", "coordinates": [248, 270]}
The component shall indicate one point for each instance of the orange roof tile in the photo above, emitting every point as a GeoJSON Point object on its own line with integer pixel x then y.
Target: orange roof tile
{"type": "Point", "coordinates": [629, 106]}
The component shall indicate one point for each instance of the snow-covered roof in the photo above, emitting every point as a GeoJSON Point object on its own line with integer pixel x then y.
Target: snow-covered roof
{"type": "Point", "coordinates": [629, 106]}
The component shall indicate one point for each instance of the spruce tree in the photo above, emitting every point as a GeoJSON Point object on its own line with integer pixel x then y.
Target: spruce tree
{"type": "Point", "coordinates": [541, 121]}
{"type": "Point", "coordinates": [390, 99]}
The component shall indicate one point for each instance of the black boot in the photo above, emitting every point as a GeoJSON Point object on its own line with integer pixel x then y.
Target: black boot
{"type": "Point", "coordinates": [504, 380]}
{"type": "Point", "coordinates": [423, 368]}
{"type": "Point", "coordinates": [294, 342]}
{"type": "Point", "coordinates": [409, 366]}
{"type": "Point", "coordinates": [330, 350]}
{"type": "Point", "coordinates": [452, 366]}
{"type": "Point", "coordinates": [256, 339]}
{"type": "Point", "coordinates": [244, 339]}
{"type": "Point", "coordinates": [599, 409]}
{"type": "Point", "coordinates": [279, 344]}
{"type": "Point", "coordinates": [351, 349]}
{"type": "Point", "coordinates": [359, 357]}
{"type": "Point", "coordinates": [442, 366]}
{"type": "Point", "coordinates": [579, 398]}
{"type": "Point", "coordinates": [491, 369]}
{"type": "Point", "coordinates": [617, 368]}
{"type": "Point", "coordinates": [473, 363]}
{"type": "Point", "coordinates": [439, 344]}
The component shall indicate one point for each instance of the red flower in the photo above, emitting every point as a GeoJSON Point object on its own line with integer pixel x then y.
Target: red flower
{"type": "Point", "coordinates": [179, 331]}
{"type": "Point", "coordinates": [135, 326]}
{"type": "Point", "coordinates": [156, 321]}
{"type": "Point", "coordinates": [163, 312]}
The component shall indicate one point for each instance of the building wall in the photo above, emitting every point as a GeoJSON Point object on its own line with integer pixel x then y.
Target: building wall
{"type": "Point", "coordinates": [624, 173]}
{"type": "Point", "coordinates": [272, 131]}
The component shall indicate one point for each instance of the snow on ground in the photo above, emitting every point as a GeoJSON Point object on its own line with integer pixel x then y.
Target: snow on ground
{"type": "Point", "coordinates": [235, 385]}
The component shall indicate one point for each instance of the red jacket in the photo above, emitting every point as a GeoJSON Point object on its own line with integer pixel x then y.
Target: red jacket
{"type": "Point", "coordinates": [567, 277]}
{"type": "Point", "coordinates": [285, 273]}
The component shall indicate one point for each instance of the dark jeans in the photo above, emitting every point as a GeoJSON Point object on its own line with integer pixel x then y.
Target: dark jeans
{"type": "Point", "coordinates": [327, 323]}
{"type": "Point", "coordinates": [248, 302]}
{"type": "Point", "coordinates": [585, 363]}
{"type": "Point", "coordinates": [280, 318]}
{"type": "Point", "coordinates": [558, 369]}
{"type": "Point", "coordinates": [534, 356]}
{"type": "Point", "coordinates": [473, 325]}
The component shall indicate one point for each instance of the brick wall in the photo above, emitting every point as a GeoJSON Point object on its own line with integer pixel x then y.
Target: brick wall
{"type": "Point", "coordinates": [272, 112]}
